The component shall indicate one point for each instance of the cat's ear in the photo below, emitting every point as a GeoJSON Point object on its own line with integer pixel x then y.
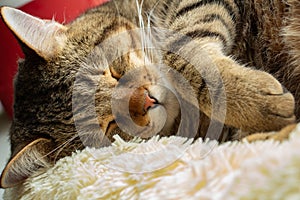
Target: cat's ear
{"type": "Point", "coordinates": [45, 37]}
{"type": "Point", "coordinates": [28, 160]}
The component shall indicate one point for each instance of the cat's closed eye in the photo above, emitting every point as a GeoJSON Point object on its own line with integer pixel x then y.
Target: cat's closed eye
{"type": "Point", "coordinates": [114, 73]}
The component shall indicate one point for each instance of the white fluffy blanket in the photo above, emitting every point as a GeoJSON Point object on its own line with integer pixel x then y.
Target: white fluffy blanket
{"type": "Point", "coordinates": [173, 168]}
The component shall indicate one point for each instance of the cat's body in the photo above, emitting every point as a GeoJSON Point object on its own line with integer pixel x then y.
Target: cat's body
{"type": "Point", "coordinates": [218, 36]}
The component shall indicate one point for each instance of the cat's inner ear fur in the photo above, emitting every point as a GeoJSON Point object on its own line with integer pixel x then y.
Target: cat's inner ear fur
{"type": "Point", "coordinates": [27, 161]}
{"type": "Point", "coordinates": [45, 37]}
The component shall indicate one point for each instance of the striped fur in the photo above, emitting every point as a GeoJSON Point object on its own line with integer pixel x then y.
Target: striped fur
{"type": "Point", "coordinates": [212, 44]}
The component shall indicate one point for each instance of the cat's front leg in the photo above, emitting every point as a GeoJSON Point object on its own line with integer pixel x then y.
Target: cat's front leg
{"type": "Point", "coordinates": [255, 100]}
{"type": "Point", "coordinates": [248, 99]}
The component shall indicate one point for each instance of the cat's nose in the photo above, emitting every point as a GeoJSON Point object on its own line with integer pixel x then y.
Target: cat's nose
{"type": "Point", "coordinates": [149, 101]}
{"type": "Point", "coordinates": [139, 104]}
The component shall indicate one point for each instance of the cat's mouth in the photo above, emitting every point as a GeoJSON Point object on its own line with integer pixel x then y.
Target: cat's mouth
{"type": "Point", "coordinates": [140, 103]}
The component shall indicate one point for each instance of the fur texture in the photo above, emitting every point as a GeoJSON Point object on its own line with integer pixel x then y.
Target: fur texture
{"type": "Point", "coordinates": [195, 59]}
{"type": "Point", "coordinates": [202, 170]}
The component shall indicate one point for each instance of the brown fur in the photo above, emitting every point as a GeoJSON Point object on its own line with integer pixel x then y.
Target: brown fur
{"type": "Point", "coordinates": [226, 37]}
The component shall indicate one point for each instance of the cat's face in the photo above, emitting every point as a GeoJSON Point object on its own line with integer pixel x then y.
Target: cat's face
{"type": "Point", "coordinates": [96, 73]}
{"type": "Point", "coordinates": [118, 84]}
{"type": "Point", "coordinates": [128, 96]}
{"type": "Point", "coordinates": [82, 83]}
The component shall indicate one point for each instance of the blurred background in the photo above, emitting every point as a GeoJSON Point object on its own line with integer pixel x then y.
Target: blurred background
{"type": "Point", "coordinates": [4, 143]}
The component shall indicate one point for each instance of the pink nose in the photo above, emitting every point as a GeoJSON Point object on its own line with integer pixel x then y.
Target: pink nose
{"type": "Point", "coordinates": [149, 102]}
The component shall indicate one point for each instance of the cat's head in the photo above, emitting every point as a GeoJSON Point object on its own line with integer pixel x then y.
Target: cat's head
{"type": "Point", "coordinates": [77, 87]}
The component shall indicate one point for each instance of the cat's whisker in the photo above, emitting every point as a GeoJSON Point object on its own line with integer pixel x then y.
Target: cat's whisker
{"type": "Point", "coordinates": [145, 34]}
{"type": "Point", "coordinates": [117, 8]}
{"type": "Point", "coordinates": [149, 38]}
{"type": "Point", "coordinates": [150, 16]}
{"type": "Point", "coordinates": [141, 22]}
{"type": "Point", "coordinates": [59, 148]}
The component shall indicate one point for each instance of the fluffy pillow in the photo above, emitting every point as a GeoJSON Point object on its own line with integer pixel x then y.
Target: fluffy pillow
{"type": "Point", "coordinates": [173, 168]}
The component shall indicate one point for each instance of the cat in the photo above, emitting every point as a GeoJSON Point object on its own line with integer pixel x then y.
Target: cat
{"type": "Point", "coordinates": [140, 68]}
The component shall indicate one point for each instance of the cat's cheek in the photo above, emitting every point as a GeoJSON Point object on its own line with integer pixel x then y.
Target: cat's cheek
{"type": "Point", "coordinates": [158, 117]}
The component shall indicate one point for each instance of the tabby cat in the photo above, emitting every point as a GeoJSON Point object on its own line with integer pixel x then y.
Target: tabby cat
{"type": "Point", "coordinates": [139, 68]}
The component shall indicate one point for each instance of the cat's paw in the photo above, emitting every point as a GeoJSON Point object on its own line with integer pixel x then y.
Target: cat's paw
{"type": "Point", "coordinates": [257, 102]}
{"type": "Point", "coordinates": [281, 135]}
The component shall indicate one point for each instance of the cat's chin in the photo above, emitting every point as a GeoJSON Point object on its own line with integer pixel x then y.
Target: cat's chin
{"type": "Point", "coordinates": [158, 120]}
{"type": "Point", "coordinates": [163, 114]}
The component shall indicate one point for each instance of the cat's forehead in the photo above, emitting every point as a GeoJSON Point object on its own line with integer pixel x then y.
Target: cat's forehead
{"type": "Point", "coordinates": [96, 27]}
